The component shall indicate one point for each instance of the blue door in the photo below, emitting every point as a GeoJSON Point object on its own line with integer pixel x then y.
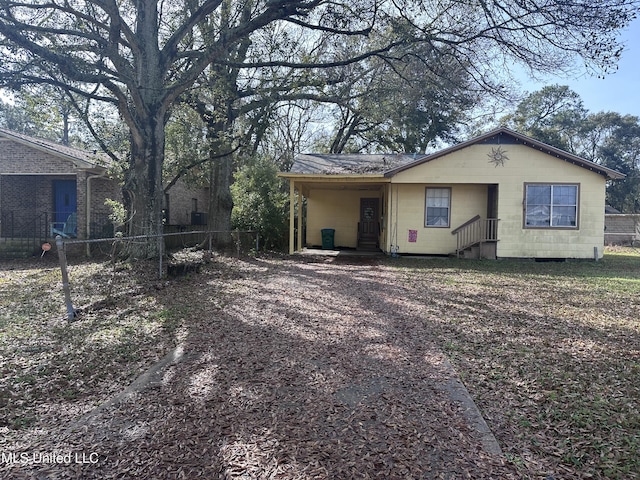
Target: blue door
{"type": "Point", "coordinates": [65, 201]}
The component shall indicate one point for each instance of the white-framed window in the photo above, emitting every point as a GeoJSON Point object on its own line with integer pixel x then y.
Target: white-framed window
{"type": "Point", "coordinates": [437, 207]}
{"type": "Point", "coordinates": [551, 205]}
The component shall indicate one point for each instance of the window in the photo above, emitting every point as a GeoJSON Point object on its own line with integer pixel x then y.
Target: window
{"type": "Point", "coordinates": [438, 206]}
{"type": "Point", "coordinates": [551, 206]}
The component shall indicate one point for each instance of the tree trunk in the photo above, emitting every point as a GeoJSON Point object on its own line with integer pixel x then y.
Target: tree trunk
{"type": "Point", "coordinates": [143, 192]}
{"type": "Point", "coordinates": [220, 200]}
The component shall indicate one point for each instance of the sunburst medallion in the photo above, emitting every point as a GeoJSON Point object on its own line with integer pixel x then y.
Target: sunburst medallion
{"type": "Point", "coordinates": [498, 156]}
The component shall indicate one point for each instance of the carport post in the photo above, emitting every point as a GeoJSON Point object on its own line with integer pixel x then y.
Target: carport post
{"type": "Point", "coordinates": [300, 218]}
{"type": "Point", "coordinates": [292, 193]}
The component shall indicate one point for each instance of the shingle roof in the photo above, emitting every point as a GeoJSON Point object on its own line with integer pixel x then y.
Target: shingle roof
{"type": "Point", "coordinates": [344, 164]}
{"type": "Point", "coordinates": [391, 164]}
{"type": "Point", "coordinates": [84, 159]}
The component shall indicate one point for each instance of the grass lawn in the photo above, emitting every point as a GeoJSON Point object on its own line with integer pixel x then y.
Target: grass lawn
{"type": "Point", "coordinates": [549, 351]}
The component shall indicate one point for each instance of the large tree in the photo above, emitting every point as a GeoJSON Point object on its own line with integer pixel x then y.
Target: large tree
{"type": "Point", "coordinates": [142, 55]}
{"type": "Point", "coordinates": [553, 114]}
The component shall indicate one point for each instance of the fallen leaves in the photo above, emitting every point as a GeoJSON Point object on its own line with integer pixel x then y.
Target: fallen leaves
{"type": "Point", "coordinates": [548, 351]}
{"type": "Point", "coordinates": [314, 368]}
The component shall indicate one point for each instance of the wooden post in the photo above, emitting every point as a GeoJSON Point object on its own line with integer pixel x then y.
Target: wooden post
{"type": "Point", "coordinates": [292, 193]}
{"type": "Point", "coordinates": [299, 219]}
{"type": "Point", "coordinates": [62, 257]}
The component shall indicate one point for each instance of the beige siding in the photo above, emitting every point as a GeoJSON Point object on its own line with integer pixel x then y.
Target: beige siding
{"type": "Point", "coordinates": [621, 229]}
{"type": "Point", "coordinates": [408, 201]}
{"type": "Point", "coordinates": [471, 166]}
{"type": "Point", "coordinates": [337, 209]}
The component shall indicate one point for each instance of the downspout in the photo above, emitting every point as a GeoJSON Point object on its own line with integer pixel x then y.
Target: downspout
{"type": "Point", "coordinates": [300, 224]}
{"type": "Point", "coordinates": [88, 210]}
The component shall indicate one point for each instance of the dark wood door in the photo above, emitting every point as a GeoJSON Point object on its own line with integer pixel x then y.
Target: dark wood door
{"type": "Point", "coordinates": [369, 220]}
{"type": "Point", "coordinates": [492, 201]}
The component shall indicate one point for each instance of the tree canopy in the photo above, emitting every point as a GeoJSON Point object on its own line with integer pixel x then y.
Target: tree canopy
{"type": "Point", "coordinates": [556, 115]}
{"type": "Point", "coordinates": [142, 56]}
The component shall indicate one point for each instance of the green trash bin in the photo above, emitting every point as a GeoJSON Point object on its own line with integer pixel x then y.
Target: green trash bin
{"type": "Point", "coordinates": [327, 238]}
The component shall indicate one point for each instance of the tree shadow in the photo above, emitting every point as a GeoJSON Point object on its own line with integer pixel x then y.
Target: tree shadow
{"type": "Point", "coordinates": [294, 370]}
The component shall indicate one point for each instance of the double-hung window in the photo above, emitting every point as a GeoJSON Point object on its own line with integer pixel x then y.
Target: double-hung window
{"type": "Point", "coordinates": [551, 206]}
{"type": "Point", "coordinates": [438, 207]}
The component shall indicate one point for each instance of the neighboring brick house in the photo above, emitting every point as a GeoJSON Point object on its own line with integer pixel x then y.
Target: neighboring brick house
{"type": "Point", "coordinates": [47, 189]}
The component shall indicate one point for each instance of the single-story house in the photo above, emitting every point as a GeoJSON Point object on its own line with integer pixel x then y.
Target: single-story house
{"type": "Point", "coordinates": [48, 189]}
{"type": "Point", "coordinates": [500, 195]}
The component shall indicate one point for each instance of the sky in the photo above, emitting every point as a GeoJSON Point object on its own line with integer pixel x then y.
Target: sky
{"type": "Point", "coordinates": [618, 92]}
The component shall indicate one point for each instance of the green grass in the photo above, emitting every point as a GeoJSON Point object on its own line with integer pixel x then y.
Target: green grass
{"type": "Point", "coordinates": [550, 351]}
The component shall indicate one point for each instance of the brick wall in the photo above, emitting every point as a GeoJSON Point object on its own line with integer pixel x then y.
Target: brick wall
{"type": "Point", "coordinates": [621, 229]}
{"type": "Point", "coordinates": [27, 177]}
{"type": "Point", "coordinates": [18, 158]}
{"type": "Point", "coordinates": [27, 204]}
{"type": "Point", "coordinates": [26, 191]}
{"type": "Point", "coordinates": [181, 202]}
{"type": "Point", "coordinates": [101, 190]}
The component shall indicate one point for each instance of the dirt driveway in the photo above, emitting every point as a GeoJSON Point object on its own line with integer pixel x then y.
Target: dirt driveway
{"type": "Point", "coordinates": [314, 368]}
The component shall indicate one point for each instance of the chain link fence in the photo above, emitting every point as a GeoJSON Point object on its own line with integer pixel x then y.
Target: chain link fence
{"type": "Point", "coordinates": [183, 252]}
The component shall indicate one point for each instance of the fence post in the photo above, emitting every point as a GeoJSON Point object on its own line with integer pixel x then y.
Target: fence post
{"type": "Point", "coordinates": [160, 248]}
{"type": "Point", "coordinates": [62, 256]}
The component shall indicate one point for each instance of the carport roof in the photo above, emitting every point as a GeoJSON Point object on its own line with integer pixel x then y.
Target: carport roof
{"type": "Point", "coordinates": [346, 164]}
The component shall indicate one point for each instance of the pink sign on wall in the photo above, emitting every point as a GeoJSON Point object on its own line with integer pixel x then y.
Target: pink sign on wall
{"type": "Point", "coordinates": [413, 236]}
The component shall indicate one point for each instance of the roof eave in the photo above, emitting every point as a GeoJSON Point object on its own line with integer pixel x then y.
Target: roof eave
{"type": "Point", "coordinates": [78, 163]}
{"type": "Point", "coordinates": [561, 154]}
{"type": "Point", "coordinates": [325, 176]}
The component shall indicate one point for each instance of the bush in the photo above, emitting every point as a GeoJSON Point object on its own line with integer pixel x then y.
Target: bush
{"type": "Point", "coordinates": [260, 203]}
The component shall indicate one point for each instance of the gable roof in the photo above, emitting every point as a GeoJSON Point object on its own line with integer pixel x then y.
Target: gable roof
{"type": "Point", "coordinates": [504, 135]}
{"type": "Point", "coordinates": [389, 165]}
{"type": "Point", "coordinates": [85, 160]}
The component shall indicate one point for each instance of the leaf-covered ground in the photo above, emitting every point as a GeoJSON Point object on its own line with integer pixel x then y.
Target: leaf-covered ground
{"type": "Point", "coordinates": [550, 353]}
{"type": "Point", "coordinates": [301, 368]}
{"type": "Point", "coordinates": [293, 369]}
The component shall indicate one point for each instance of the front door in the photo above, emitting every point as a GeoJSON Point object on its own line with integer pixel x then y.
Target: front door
{"type": "Point", "coordinates": [64, 200]}
{"type": "Point", "coordinates": [368, 230]}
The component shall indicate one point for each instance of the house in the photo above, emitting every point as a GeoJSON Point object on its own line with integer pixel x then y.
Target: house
{"type": "Point", "coordinates": [620, 228]}
{"type": "Point", "coordinates": [500, 195]}
{"type": "Point", "coordinates": [48, 189]}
